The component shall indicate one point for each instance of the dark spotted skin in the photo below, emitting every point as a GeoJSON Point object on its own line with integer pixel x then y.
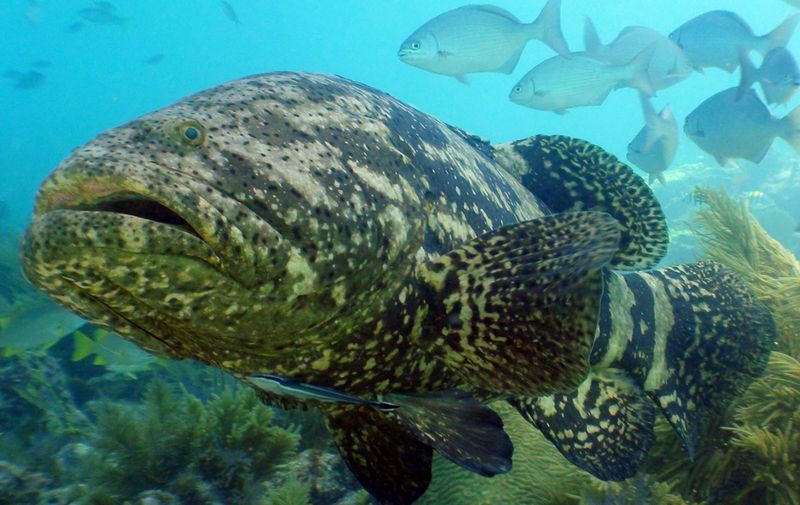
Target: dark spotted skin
{"type": "Point", "coordinates": [297, 221]}
{"type": "Point", "coordinates": [311, 227]}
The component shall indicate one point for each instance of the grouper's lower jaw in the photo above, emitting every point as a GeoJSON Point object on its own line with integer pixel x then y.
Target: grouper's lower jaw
{"type": "Point", "coordinates": [142, 278]}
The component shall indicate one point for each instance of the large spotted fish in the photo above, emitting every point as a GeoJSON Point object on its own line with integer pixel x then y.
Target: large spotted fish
{"type": "Point", "coordinates": [329, 245]}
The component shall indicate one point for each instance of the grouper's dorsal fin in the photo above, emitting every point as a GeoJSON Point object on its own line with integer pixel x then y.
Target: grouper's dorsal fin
{"type": "Point", "coordinates": [515, 311]}
{"type": "Point", "coordinates": [569, 174]}
{"type": "Point", "coordinates": [391, 464]}
{"type": "Point", "coordinates": [604, 427]}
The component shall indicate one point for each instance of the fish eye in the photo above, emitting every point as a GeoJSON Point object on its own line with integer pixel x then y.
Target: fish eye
{"type": "Point", "coordinates": [415, 45]}
{"type": "Point", "coordinates": [191, 133]}
{"type": "Point", "coordinates": [517, 89]}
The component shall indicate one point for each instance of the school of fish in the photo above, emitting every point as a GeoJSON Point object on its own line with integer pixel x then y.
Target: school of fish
{"type": "Point", "coordinates": [332, 247]}
{"type": "Point", "coordinates": [480, 38]}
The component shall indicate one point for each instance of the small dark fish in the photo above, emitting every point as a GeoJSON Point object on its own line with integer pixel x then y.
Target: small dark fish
{"type": "Point", "coordinates": [230, 13]}
{"type": "Point", "coordinates": [714, 39]}
{"type": "Point", "coordinates": [100, 16]}
{"type": "Point", "coordinates": [727, 128]}
{"type": "Point", "coordinates": [40, 64]}
{"type": "Point", "coordinates": [33, 14]}
{"type": "Point", "coordinates": [107, 6]}
{"type": "Point", "coordinates": [155, 59]}
{"type": "Point", "coordinates": [74, 27]}
{"type": "Point", "coordinates": [285, 386]}
{"type": "Point", "coordinates": [25, 80]}
{"type": "Point", "coordinates": [779, 75]}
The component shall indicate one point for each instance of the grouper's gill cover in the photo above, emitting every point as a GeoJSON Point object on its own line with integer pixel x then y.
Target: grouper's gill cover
{"type": "Point", "coordinates": [312, 228]}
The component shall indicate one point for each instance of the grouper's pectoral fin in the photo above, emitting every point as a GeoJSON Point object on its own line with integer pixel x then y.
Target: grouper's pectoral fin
{"type": "Point", "coordinates": [515, 311]}
{"type": "Point", "coordinates": [391, 464]}
{"type": "Point", "coordinates": [459, 427]}
{"type": "Point", "coordinates": [604, 427]}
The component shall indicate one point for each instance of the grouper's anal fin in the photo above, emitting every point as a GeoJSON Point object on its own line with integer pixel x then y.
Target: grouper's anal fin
{"type": "Point", "coordinates": [391, 464]}
{"type": "Point", "coordinates": [515, 311]}
{"type": "Point", "coordinates": [604, 427]}
{"type": "Point", "coordinates": [569, 174]}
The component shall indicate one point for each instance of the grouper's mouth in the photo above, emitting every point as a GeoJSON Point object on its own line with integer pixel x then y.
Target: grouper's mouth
{"type": "Point", "coordinates": [139, 257]}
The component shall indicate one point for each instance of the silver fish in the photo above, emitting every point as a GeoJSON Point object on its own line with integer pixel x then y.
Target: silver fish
{"type": "Point", "coordinates": [230, 12]}
{"type": "Point", "coordinates": [779, 75]}
{"type": "Point", "coordinates": [285, 386]}
{"type": "Point", "coordinates": [559, 83]}
{"type": "Point", "coordinates": [727, 128]}
{"type": "Point", "coordinates": [480, 38]}
{"type": "Point", "coordinates": [668, 66]}
{"type": "Point", "coordinates": [713, 39]}
{"type": "Point", "coordinates": [653, 148]}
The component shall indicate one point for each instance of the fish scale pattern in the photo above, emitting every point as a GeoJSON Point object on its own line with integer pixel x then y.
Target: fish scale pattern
{"type": "Point", "coordinates": [570, 174]}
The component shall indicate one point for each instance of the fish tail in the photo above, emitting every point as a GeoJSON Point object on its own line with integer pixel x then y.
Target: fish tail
{"type": "Point", "coordinates": [684, 341]}
{"type": "Point", "coordinates": [547, 28]}
{"type": "Point", "coordinates": [83, 346]}
{"type": "Point", "coordinates": [778, 37]}
{"type": "Point", "coordinates": [749, 74]}
{"type": "Point", "coordinates": [790, 129]}
{"type": "Point", "coordinates": [637, 72]}
{"type": "Point", "coordinates": [654, 130]}
{"type": "Point", "coordinates": [591, 40]}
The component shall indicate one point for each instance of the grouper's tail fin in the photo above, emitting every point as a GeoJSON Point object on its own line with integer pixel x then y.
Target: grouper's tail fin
{"type": "Point", "coordinates": [690, 337]}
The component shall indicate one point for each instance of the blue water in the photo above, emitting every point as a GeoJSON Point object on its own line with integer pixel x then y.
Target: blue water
{"type": "Point", "coordinates": [99, 78]}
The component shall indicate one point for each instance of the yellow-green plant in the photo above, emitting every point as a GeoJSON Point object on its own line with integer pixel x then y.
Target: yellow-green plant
{"type": "Point", "coordinates": [730, 235]}
{"type": "Point", "coordinates": [220, 451]}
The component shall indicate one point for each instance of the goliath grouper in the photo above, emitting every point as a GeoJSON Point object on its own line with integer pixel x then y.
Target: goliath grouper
{"type": "Point", "coordinates": [331, 246]}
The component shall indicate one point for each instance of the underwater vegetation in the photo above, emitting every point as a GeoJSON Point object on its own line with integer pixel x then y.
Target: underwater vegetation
{"type": "Point", "coordinates": [755, 456]}
{"type": "Point", "coordinates": [730, 235]}
{"type": "Point", "coordinates": [224, 454]}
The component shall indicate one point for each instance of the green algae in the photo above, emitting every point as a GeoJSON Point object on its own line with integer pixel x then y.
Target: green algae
{"type": "Point", "coordinates": [218, 452]}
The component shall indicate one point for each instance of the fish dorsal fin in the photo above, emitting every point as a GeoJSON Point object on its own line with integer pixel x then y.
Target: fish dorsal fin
{"type": "Point", "coordinates": [515, 311]}
{"type": "Point", "coordinates": [569, 174]}
{"type": "Point", "coordinates": [605, 426]}
{"type": "Point", "coordinates": [497, 11]}
{"type": "Point", "coordinates": [386, 459]}
{"type": "Point", "coordinates": [458, 426]}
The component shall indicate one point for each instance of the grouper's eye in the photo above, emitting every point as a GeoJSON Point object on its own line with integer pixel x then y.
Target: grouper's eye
{"type": "Point", "coordinates": [191, 133]}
